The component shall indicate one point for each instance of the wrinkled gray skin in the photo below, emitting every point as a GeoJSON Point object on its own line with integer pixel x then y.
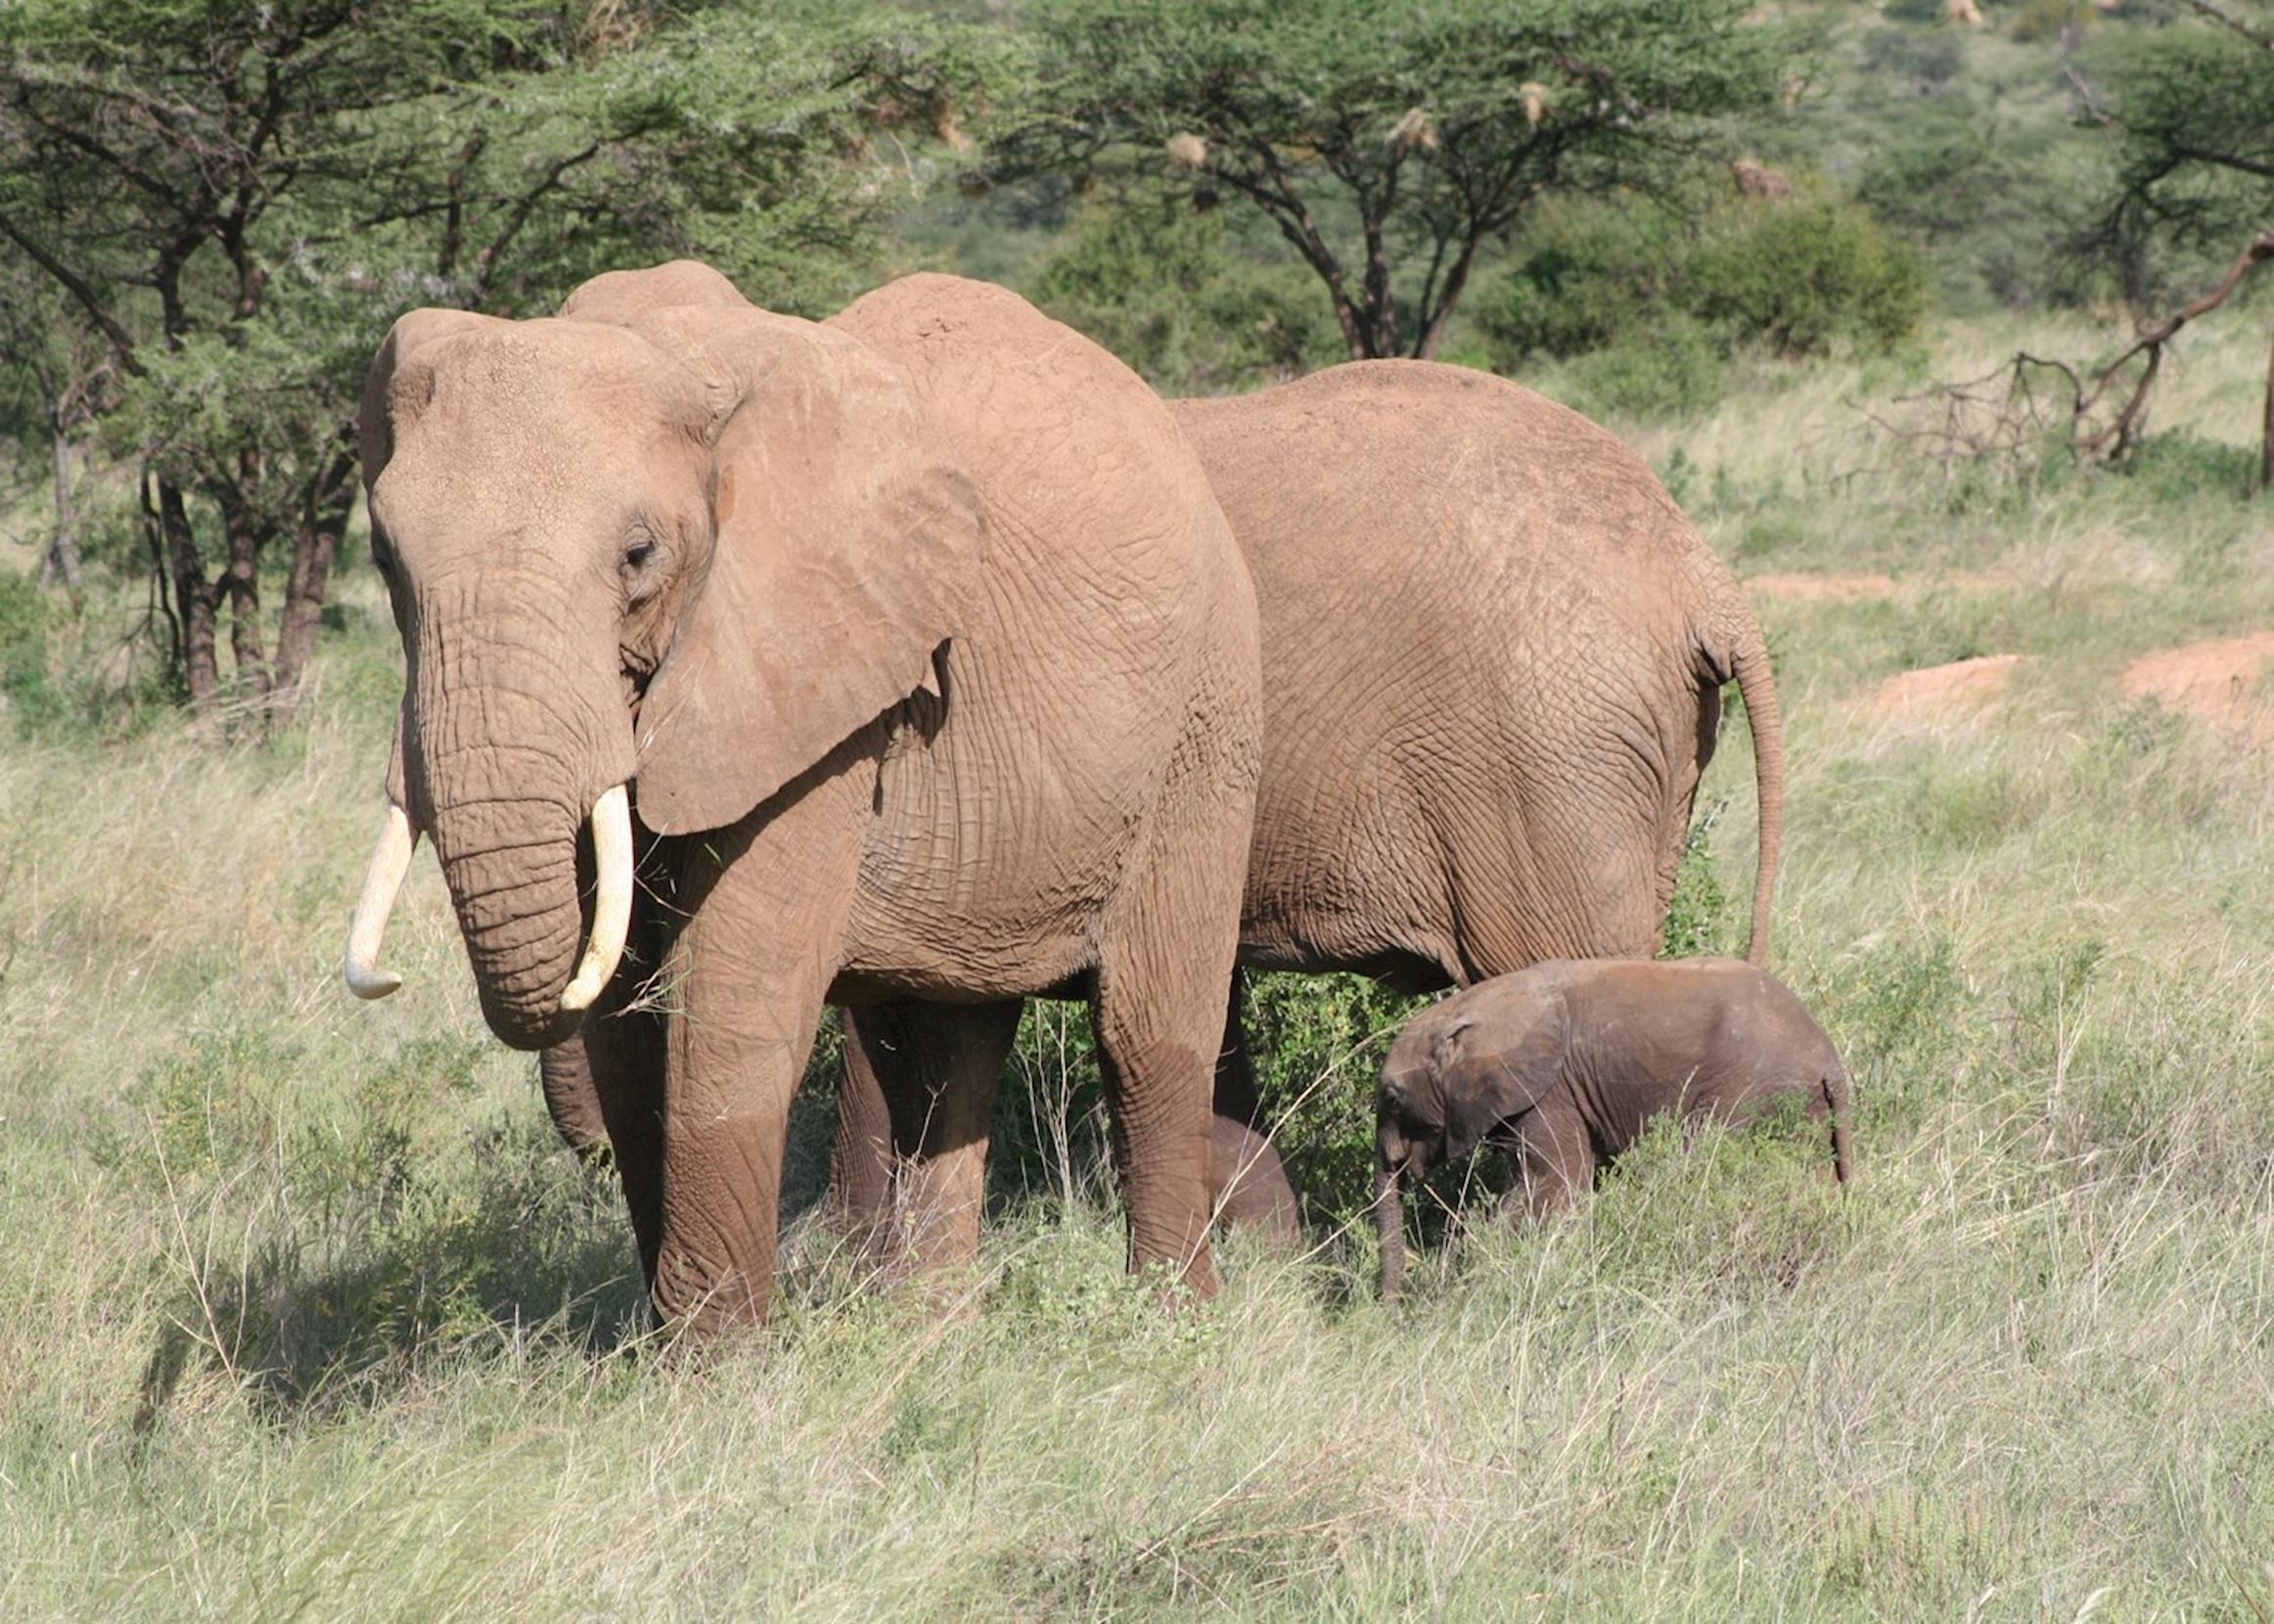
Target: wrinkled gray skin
{"type": "Point", "coordinates": [1493, 659]}
{"type": "Point", "coordinates": [1563, 1066]}
{"type": "Point", "coordinates": [931, 667]}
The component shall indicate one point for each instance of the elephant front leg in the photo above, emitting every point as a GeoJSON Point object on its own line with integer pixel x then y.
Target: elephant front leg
{"type": "Point", "coordinates": [766, 904]}
{"type": "Point", "coordinates": [1248, 1183]}
{"type": "Point", "coordinates": [1554, 1163]}
{"type": "Point", "coordinates": [937, 1068]}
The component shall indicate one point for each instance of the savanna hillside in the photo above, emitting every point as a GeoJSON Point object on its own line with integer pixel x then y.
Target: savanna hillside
{"type": "Point", "coordinates": [305, 1312]}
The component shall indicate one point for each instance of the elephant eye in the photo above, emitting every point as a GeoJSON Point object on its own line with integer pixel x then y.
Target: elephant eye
{"type": "Point", "coordinates": [637, 553]}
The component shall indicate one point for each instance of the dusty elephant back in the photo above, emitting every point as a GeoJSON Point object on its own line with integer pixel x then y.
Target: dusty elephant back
{"type": "Point", "coordinates": [1118, 627]}
{"type": "Point", "coordinates": [1480, 618]}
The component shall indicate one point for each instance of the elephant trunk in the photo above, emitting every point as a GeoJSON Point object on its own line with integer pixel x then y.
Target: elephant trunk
{"type": "Point", "coordinates": [1389, 1225]}
{"type": "Point", "coordinates": [510, 764]}
{"type": "Point", "coordinates": [511, 865]}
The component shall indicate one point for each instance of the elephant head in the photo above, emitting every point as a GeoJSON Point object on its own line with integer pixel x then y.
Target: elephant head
{"type": "Point", "coordinates": [664, 547]}
{"type": "Point", "coordinates": [1453, 1075]}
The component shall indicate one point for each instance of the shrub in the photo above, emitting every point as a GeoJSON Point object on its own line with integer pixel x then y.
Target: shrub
{"type": "Point", "coordinates": [1701, 918]}
{"type": "Point", "coordinates": [23, 649]}
{"type": "Point", "coordinates": [2042, 20]}
{"type": "Point", "coordinates": [1654, 305]}
{"type": "Point", "coordinates": [1317, 1042]}
{"type": "Point", "coordinates": [1674, 367]}
{"type": "Point", "coordinates": [1590, 278]}
{"type": "Point", "coordinates": [2178, 467]}
{"type": "Point", "coordinates": [1930, 57]}
{"type": "Point", "coordinates": [1156, 282]}
{"type": "Point", "coordinates": [1804, 275]}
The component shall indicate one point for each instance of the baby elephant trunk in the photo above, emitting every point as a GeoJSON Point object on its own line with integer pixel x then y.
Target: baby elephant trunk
{"type": "Point", "coordinates": [1389, 1225]}
{"type": "Point", "coordinates": [1836, 1105]}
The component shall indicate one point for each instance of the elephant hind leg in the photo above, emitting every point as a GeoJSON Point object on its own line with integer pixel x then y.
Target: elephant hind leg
{"type": "Point", "coordinates": [936, 1068]}
{"type": "Point", "coordinates": [1158, 1002]}
{"type": "Point", "coordinates": [1247, 1183]}
{"type": "Point", "coordinates": [860, 1160]}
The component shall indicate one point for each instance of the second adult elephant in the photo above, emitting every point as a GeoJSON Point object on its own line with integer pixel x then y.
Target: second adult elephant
{"type": "Point", "coordinates": [1493, 657]}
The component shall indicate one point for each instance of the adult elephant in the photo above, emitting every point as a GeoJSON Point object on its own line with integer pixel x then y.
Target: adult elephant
{"type": "Point", "coordinates": [1494, 651]}
{"type": "Point", "coordinates": [930, 662]}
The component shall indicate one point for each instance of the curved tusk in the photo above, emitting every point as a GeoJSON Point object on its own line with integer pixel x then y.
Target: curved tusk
{"type": "Point", "coordinates": [390, 859]}
{"type": "Point", "coordinates": [612, 905]}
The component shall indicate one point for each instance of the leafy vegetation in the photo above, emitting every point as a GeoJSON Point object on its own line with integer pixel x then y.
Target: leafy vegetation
{"type": "Point", "coordinates": [1389, 145]}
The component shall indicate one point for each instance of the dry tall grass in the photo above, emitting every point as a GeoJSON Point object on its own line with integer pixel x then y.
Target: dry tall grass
{"type": "Point", "coordinates": [305, 1315]}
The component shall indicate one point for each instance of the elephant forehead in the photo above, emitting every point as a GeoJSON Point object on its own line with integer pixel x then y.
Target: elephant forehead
{"type": "Point", "coordinates": [565, 384]}
{"type": "Point", "coordinates": [535, 427]}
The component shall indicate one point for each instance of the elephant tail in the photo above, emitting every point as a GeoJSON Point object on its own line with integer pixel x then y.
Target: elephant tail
{"type": "Point", "coordinates": [1839, 1105]}
{"type": "Point", "coordinates": [1749, 660]}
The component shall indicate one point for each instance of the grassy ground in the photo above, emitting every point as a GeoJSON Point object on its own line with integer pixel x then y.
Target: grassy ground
{"type": "Point", "coordinates": [305, 1315]}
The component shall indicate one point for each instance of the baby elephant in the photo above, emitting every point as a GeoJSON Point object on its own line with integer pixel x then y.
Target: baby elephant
{"type": "Point", "coordinates": [1562, 1064]}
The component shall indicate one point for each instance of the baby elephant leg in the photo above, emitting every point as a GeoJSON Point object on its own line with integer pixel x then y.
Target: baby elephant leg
{"type": "Point", "coordinates": [1554, 1163]}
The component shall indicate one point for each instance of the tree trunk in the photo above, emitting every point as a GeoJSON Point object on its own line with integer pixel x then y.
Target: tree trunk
{"type": "Point", "coordinates": [2266, 438]}
{"type": "Point", "coordinates": [315, 544]}
{"type": "Point", "coordinates": [241, 576]}
{"type": "Point", "coordinates": [62, 561]}
{"type": "Point", "coordinates": [197, 600]}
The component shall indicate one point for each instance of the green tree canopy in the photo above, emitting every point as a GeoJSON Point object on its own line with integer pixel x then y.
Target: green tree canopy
{"type": "Point", "coordinates": [237, 201]}
{"type": "Point", "coordinates": [1387, 140]}
{"type": "Point", "coordinates": [2192, 113]}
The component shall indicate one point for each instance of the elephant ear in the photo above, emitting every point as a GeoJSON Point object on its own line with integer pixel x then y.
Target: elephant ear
{"type": "Point", "coordinates": [849, 544]}
{"type": "Point", "coordinates": [398, 386]}
{"type": "Point", "coordinates": [1496, 1067]}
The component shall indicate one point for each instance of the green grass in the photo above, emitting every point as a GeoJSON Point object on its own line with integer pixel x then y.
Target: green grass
{"type": "Point", "coordinates": [305, 1314]}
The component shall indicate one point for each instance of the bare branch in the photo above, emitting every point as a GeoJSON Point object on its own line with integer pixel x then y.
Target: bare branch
{"type": "Point", "coordinates": [81, 291]}
{"type": "Point", "coordinates": [2232, 24]}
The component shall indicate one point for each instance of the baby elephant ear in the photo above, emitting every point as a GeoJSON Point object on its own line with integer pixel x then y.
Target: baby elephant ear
{"type": "Point", "coordinates": [1497, 1067]}
{"type": "Point", "coordinates": [850, 540]}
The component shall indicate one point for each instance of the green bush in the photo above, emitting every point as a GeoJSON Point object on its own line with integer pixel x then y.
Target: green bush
{"type": "Point", "coordinates": [1672, 367]}
{"type": "Point", "coordinates": [2042, 20]}
{"type": "Point", "coordinates": [2179, 467]}
{"type": "Point", "coordinates": [1158, 284]}
{"type": "Point", "coordinates": [1651, 305]}
{"type": "Point", "coordinates": [1702, 919]}
{"type": "Point", "coordinates": [1804, 275]}
{"type": "Point", "coordinates": [1591, 277]}
{"type": "Point", "coordinates": [1317, 1042]}
{"type": "Point", "coordinates": [24, 650]}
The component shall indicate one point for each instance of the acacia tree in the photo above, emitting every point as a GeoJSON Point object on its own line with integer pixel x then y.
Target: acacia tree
{"type": "Point", "coordinates": [68, 371]}
{"type": "Point", "coordinates": [239, 199]}
{"type": "Point", "coordinates": [1389, 140]}
{"type": "Point", "coordinates": [2192, 113]}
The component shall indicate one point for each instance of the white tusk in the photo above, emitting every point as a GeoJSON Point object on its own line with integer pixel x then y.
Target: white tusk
{"type": "Point", "coordinates": [612, 905]}
{"type": "Point", "coordinates": [390, 859]}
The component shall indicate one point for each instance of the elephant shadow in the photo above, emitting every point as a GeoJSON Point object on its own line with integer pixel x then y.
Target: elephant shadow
{"type": "Point", "coordinates": [351, 1308]}
{"type": "Point", "coordinates": [356, 1303]}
